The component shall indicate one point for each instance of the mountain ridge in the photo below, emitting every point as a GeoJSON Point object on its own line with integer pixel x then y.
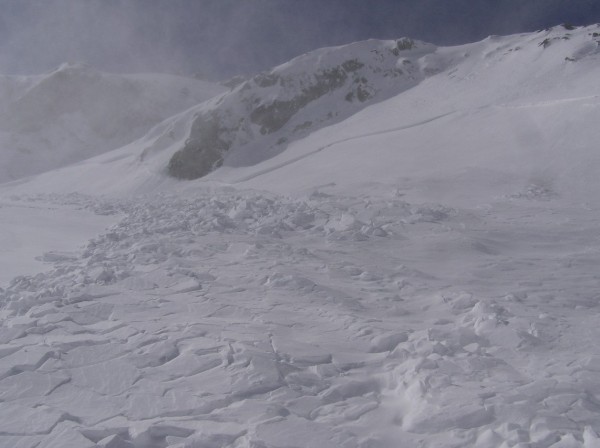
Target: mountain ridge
{"type": "Point", "coordinates": [491, 78]}
{"type": "Point", "coordinates": [259, 117]}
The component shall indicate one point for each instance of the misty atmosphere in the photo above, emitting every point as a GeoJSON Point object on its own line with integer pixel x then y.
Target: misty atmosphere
{"type": "Point", "coordinates": [299, 223]}
{"type": "Point", "coordinates": [218, 39]}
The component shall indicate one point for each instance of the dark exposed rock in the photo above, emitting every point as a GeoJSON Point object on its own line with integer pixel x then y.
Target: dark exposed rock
{"type": "Point", "coordinates": [273, 116]}
{"type": "Point", "coordinates": [202, 152]}
{"type": "Point", "coordinates": [403, 45]}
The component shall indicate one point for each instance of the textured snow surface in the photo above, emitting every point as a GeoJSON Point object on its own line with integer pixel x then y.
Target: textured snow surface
{"type": "Point", "coordinates": [248, 319]}
{"type": "Point", "coordinates": [422, 274]}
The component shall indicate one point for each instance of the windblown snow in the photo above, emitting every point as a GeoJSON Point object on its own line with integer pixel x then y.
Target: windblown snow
{"type": "Point", "coordinates": [421, 271]}
{"type": "Point", "coordinates": [75, 112]}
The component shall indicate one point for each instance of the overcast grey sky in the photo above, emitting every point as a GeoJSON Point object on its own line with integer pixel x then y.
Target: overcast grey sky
{"type": "Point", "coordinates": [220, 38]}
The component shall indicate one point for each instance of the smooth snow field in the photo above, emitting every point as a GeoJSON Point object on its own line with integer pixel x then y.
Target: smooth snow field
{"type": "Point", "coordinates": [423, 273]}
{"type": "Point", "coordinates": [34, 235]}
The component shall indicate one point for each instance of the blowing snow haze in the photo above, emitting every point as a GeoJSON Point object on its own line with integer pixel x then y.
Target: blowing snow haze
{"type": "Point", "coordinates": [221, 38]}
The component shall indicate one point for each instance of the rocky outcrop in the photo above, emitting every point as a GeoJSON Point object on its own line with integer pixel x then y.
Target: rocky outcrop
{"type": "Point", "coordinates": [261, 116]}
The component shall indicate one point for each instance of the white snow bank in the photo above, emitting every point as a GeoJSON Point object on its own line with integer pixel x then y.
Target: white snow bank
{"type": "Point", "coordinates": [34, 235]}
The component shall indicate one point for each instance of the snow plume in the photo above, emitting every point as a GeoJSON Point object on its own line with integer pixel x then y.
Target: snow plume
{"type": "Point", "coordinates": [76, 112]}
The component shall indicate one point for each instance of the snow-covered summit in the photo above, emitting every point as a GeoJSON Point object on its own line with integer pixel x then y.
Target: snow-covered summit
{"type": "Point", "coordinates": [261, 116]}
{"type": "Point", "coordinates": [76, 112]}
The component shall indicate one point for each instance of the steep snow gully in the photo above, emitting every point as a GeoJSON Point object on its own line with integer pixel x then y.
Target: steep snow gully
{"type": "Point", "coordinates": [423, 273]}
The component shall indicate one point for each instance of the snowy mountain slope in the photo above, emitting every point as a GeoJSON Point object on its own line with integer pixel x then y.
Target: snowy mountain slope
{"type": "Point", "coordinates": [75, 113]}
{"type": "Point", "coordinates": [421, 274]}
{"type": "Point", "coordinates": [512, 113]}
{"type": "Point", "coordinates": [261, 116]}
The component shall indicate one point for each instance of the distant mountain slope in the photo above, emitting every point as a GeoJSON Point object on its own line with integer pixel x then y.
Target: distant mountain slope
{"type": "Point", "coordinates": [75, 112]}
{"type": "Point", "coordinates": [507, 115]}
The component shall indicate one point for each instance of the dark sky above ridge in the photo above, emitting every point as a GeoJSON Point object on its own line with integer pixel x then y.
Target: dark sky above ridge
{"type": "Point", "coordinates": [220, 38]}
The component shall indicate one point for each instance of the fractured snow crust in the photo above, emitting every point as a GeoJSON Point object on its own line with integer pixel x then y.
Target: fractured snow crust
{"type": "Point", "coordinates": [421, 274]}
